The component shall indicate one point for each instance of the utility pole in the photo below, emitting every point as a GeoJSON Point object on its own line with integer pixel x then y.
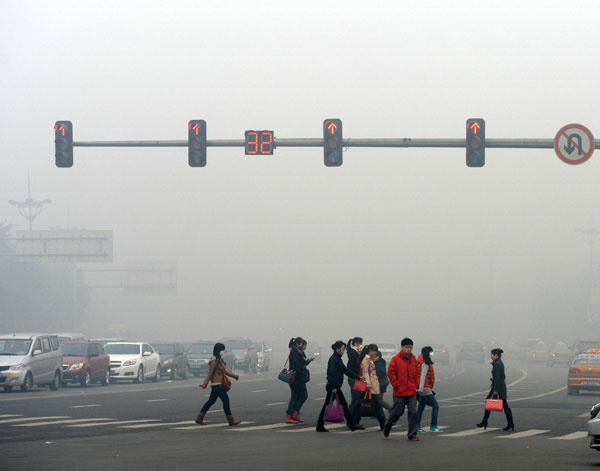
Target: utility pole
{"type": "Point", "coordinates": [29, 209]}
{"type": "Point", "coordinates": [591, 236]}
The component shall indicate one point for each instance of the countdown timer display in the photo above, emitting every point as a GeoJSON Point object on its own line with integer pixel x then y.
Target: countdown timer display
{"type": "Point", "coordinates": [259, 142]}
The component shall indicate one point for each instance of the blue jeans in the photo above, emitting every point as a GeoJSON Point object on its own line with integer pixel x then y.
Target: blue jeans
{"type": "Point", "coordinates": [217, 392]}
{"type": "Point", "coordinates": [299, 396]}
{"type": "Point", "coordinates": [431, 401]}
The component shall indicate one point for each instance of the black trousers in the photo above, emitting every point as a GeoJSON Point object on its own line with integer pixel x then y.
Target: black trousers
{"type": "Point", "coordinates": [342, 399]}
{"type": "Point", "coordinates": [505, 407]}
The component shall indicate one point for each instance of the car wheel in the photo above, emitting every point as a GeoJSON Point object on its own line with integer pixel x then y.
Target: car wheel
{"type": "Point", "coordinates": [113, 381]}
{"type": "Point", "coordinates": [174, 373]}
{"type": "Point", "coordinates": [8, 388]}
{"type": "Point", "coordinates": [106, 379]}
{"type": "Point", "coordinates": [140, 375]}
{"type": "Point", "coordinates": [156, 378]}
{"type": "Point", "coordinates": [254, 368]}
{"type": "Point", "coordinates": [28, 383]}
{"type": "Point", "coordinates": [572, 391]}
{"type": "Point", "coordinates": [87, 379]}
{"type": "Point", "coordinates": [184, 374]}
{"type": "Point", "coordinates": [55, 384]}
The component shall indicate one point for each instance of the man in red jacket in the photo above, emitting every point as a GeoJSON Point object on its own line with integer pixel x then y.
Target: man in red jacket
{"type": "Point", "coordinates": [404, 376]}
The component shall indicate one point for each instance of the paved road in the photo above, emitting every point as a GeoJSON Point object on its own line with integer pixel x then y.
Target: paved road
{"type": "Point", "coordinates": [150, 426]}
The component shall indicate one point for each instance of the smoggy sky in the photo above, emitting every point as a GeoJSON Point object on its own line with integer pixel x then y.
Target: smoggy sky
{"type": "Point", "coordinates": [396, 241]}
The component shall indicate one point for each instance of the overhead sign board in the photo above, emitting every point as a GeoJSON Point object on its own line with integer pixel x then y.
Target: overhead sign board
{"type": "Point", "coordinates": [574, 144]}
{"type": "Point", "coordinates": [72, 246]}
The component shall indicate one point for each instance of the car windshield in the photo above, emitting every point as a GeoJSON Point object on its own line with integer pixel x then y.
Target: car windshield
{"type": "Point", "coordinates": [560, 348]}
{"type": "Point", "coordinates": [387, 345]}
{"type": "Point", "coordinates": [201, 348]}
{"type": "Point", "coordinates": [14, 346]}
{"type": "Point", "coordinates": [122, 349]}
{"type": "Point", "coordinates": [236, 344]}
{"type": "Point", "coordinates": [587, 361]}
{"type": "Point", "coordinates": [165, 349]}
{"type": "Point", "coordinates": [75, 349]}
{"type": "Point", "coordinates": [258, 345]}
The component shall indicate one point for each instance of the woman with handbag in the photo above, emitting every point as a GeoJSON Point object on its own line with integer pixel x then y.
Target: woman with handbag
{"type": "Point", "coordinates": [498, 389]}
{"type": "Point", "coordinates": [369, 376]}
{"type": "Point", "coordinates": [299, 394]}
{"type": "Point", "coordinates": [335, 379]}
{"type": "Point", "coordinates": [219, 384]}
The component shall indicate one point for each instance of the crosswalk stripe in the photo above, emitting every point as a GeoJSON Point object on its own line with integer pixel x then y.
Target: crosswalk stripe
{"type": "Point", "coordinates": [60, 422]}
{"type": "Point", "coordinates": [468, 433]}
{"type": "Point", "coordinates": [118, 422]}
{"type": "Point", "coordinates": [161, 424]}
{"type": "Point", "coordinates": [261, 427]}
{"type": "Point", "coordinates": [571, 436]}
{"type": "Point", "coordinates": [587, 414]}
{"type": "Point", "coordinates": [367, 429]}
{"type": "Point", "coordinates": [28, 419]}
{"type": "Point", "coordinates": [10, 415]}
{"type": "Point", "coordinates": [526, 433]}
{"type": "Point", "coordinates": [86, 405]}
{"type": "Point", "coordinates": [276, 404]}
{"type": "Point", "coordinates": [311, 429]}
{"type": "Point", "coordinates": [202, 427]}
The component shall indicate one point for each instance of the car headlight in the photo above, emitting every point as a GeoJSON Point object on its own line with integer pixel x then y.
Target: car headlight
{"type": "Point", "coordinates": [167, 362]}
{"type": "Point", "coordinates": [594, 411]}
{"type": "Point", "coordinates": [133, 361]}
{"type": "Point", "coordinates": [317, 354]}
{"type": "Point", "coordinates": [18, 367]}
{"type": "Point", "coordinates": [76, 366]}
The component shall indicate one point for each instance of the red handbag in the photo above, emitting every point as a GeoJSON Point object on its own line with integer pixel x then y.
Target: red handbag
{"type": "Point", "coordinates": [360, 386]}
{"type": "Point", "coordinates": [496, 404]}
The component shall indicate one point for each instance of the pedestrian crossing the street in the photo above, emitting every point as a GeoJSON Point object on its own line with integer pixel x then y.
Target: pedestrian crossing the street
{"type": "Point", "coordinates": [8, 421]}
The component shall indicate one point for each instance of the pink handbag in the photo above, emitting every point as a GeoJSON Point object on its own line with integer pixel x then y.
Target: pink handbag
{"type": "Point", "coordinates": [494, 404]}
{"type": "Point", "coordinates": [334, 411]}
{"type": "Point", "coordinates": [360, 386]}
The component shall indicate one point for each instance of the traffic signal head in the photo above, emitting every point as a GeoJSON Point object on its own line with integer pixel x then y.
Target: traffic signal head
{"type": "Point", "coordinates": [332, 142]}
{"type": "Point", "coordinates": [197, 143]}
{"type": "Point", "coordinates": [63, 144]}
{"type": "Point", "coordinates": [475, 142]}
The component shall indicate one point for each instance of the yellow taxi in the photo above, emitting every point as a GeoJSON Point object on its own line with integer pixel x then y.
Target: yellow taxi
{"type": "Point", "coordinates": [559, 354]}
{"type": "Point", "coordinates": [584, 373]}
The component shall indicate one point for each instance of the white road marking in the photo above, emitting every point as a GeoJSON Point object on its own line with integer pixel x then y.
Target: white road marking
{"type": "Point", "coordinates": [10, 415]}
{"type": "Point", "coordinates": [214, 410]}
{"type": "Point", "coordinates": [571, 436]}
{"type": "Point", "coordinates": [311, 429]}
{"type": "Point", "coordinates": [59, 422]}
{"type": "Point", "coordinates": [118, 422]}
{"type": "Point", "coordinates": [156, 400]}
{"type": "Point", "coordinates": [321, 384]}
{"type": "Point", "coordinates": [587, 414]}
{"type": "Point", "coordinates": [259, 390]}
{"type": "Point", "coordinates": [468, 433]}
{"type": "Point", "coordinates": [514, 383]}
{"type": "Point", "coordinates": [162, 424]}
{"type": "Point", "coordinates": [87, 405]}
{"type": "Point", "coordinates": [28, 419]}
{"type": "Point", "coordinates": [320, 399]}
{"type": "Point", "coordinates": [526, 433]}
{"type": "Point", "coordinates": [276, 404]}
{"type": "Point", "coordinates": [261, 427]}
{"type": "Point", "coordinates": [202, 427]}
{"type": "Point", "coordinates": [367, 429]}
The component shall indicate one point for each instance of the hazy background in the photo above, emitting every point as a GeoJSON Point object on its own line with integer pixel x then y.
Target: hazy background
{"type": "Point", "coordinates": [395, 242]}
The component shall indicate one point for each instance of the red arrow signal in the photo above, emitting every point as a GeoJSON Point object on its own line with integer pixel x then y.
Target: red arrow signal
{"type": "Point", "coordinates": [475, 126]}
{"type": "Point", "coordinates": [331, 126]}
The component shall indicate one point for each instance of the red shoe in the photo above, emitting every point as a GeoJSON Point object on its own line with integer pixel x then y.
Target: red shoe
{"type": "Point", "coordinates": [296, 416]}
{"type": "Point", "coordinates": [290, 420]}
{"type": "Point", "coordinates": [414, 439]}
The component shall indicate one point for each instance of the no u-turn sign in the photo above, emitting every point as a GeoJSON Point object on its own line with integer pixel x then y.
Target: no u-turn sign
{"type": "Point", "coordinates": [574, 144]}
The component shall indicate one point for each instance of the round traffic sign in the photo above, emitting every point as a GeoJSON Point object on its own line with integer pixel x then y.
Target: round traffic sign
{"type": "Point", "coordinates": [574, 144]}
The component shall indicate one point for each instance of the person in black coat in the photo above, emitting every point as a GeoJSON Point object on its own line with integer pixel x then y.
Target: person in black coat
{"type": "Point", "coordinates": [498, 380]}
{"type": "Point", "coordinates": [335, 379]}
{"type": "Point", "coordinates": [299, 394]}
{"type": "Point", "coordinates": [384, 382]}
{"type": "Point", "coordinates": [354, 347]}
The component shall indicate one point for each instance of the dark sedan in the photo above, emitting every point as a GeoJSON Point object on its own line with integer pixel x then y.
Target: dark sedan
{"type": "Point", "coordinates": [199, 354]}
{"type": "Point", "coordinates": [173, 359]}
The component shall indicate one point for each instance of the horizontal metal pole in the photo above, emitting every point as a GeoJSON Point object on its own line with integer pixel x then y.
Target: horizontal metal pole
{"type": "Point", "coordinates": [318, 142]}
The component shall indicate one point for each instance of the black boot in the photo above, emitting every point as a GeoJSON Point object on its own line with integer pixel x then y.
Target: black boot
{"type": "Point", "coordinates": [484, 422]}
{"type": "Point", "coordinates": [509, 418]}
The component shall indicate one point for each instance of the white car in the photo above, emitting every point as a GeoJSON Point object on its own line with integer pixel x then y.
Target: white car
{"type": "Point", "coordinates": [133, 360]}
{"type": "Point", "coordinates": [594, 427]}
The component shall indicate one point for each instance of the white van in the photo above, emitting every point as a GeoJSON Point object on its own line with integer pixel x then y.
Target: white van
{"type": "Point", "coordinates": [28, 359]}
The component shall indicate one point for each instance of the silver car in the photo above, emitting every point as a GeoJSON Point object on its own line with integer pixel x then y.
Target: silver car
{"type": "Point", "coordinates": [594, 427]}
{"type": "Point", "coordinates": [28, 359]}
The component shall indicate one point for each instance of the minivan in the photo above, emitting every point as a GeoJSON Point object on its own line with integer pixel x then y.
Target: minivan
{"type": "Point", "coordinates": [30, 359]}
